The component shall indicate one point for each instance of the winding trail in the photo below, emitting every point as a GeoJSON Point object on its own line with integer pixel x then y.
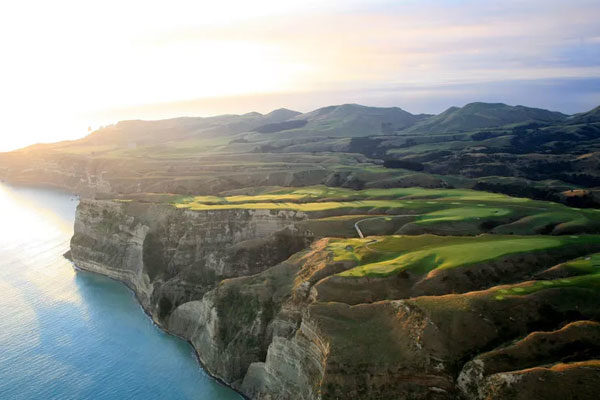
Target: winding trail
{"type": "Point", "coordinates": [362, 236]}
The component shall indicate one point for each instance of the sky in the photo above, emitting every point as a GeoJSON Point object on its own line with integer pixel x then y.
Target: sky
{"type": "Point", "coordinates": [68, 66]}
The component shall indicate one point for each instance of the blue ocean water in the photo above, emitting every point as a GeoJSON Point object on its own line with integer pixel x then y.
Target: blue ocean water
{"type": "Point", "coordinates": [75, 335]}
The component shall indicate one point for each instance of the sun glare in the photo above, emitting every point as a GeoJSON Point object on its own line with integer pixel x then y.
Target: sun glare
{"type": "Point", "coordinates": [70, 64]}
{"type": "Point", "coordinates": [73, 60]}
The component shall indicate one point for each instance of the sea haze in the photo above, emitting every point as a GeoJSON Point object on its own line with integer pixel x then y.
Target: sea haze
{"type": "Point", "coordinates": [75, 335]}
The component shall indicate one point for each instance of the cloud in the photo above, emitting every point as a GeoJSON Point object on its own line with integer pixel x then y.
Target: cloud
{"type": "Point", "coordinates": [70, 62]}
{"type": "Point", "coordinates": [425, 41]}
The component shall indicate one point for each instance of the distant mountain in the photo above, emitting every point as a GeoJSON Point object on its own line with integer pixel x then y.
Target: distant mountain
{"type": "Point", "coordinates": [353, 120]}
{"type": "Point", "coordinates": [484, 115]}
{"type": "Point", "coordinates": [281, 114]}
{"type": "Point", "coordinates": [149, 132]}
{"type": "Point", "coordinates": [493, 147]}
{"type": "Point", "coordinates": [585, 117]}
{"type": "Point", "coordinates": [346, 120]}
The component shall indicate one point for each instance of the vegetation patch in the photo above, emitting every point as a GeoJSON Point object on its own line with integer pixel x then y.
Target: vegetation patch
{"type": "Point", "coordinates": [403, 253]}
{"type": "Point", "coordinates": [432, 208]}
{"type": "Point", "coordinates": [462, 214]}
{"type": "Point", "coordinates": [587, 275]}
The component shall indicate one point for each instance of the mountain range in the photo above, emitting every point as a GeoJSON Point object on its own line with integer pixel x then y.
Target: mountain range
{"type": "Point", "coordinates": [493, 146]}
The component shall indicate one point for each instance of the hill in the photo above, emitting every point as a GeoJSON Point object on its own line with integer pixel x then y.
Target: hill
{"type": "Point", "coordinates": [484, 115]}
{"type": "Point", "coordinates": [353, 120]}
{"type": "Point", "coordinates": [152, 132]}
{"type": "Point", "coordinates": [510, 149]}
{"type": "Point", "coordinates": [586, 117]}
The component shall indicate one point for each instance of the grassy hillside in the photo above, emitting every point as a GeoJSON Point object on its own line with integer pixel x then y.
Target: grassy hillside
{"type": "Point", "coordinates": [515, 150]}
{"type": "Point", "coordinates": [484, 115]}
{"type": "Point", "coordinates": [353, 120]}
{"type": "Point", "coordinates": [425, 254]}
{"type": "Point", "coordinates": [585, 117]}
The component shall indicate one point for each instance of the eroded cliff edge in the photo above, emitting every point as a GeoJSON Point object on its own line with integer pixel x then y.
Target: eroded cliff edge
{"type": "Point", "coordinates": [263, 304]}
{"type": "Point", "coordinates": [170, 256]}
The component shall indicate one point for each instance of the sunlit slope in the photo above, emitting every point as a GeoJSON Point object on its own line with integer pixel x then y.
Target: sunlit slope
{"type": "Point", "coordinates": [423, 254]}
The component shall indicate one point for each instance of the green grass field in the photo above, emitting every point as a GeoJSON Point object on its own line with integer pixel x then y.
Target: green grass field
{"type": "Point", "coordinates": [589, 264]}
{"type": "Point", "coordinates": [591, 281]}
{"type": "Point", "coordinates": [462, 214]}
{"type": "Point", "coordinates": [431, 207]}
{"type": "Point", "coordinates": [329, 194]}
{"type": "Point", "coordinates": [585, 271]}
{"type": "Point", "coordinates": [422, 254]}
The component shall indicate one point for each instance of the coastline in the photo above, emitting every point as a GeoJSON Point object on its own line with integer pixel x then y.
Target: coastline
{"type": "Point", "coordinates": [157, 323]}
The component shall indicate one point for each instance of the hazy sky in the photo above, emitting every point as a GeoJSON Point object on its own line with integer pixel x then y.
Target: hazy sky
{"type": "Point", "coordinates": [67, 65]}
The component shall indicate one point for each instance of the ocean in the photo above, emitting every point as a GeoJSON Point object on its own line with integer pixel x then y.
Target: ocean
{"type": "Point", "coordinates": [67, 334]}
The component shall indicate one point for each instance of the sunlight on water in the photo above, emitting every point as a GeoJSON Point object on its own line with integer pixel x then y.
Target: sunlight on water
{"type": "Point", "coordinates": [76, 335]}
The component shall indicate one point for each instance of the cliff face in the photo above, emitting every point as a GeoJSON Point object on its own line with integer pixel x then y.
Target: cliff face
{"type": "Point", "coordinates": [171, 256]}
{"type": "Point", "coordinates": [76, 174]}
{"type": "Point", "coordinates": [92, 172]}
{"type": "Point", "coordinates": [256, 333]}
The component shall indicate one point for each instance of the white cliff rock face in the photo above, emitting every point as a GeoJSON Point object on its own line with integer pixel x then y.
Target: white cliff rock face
{"type": "Point", "coordinates": [198, 321]}
{"type": "Point", "coordinates": [291, 369]}
{"type": "Point", "coordinates": [475, 386]}
{"type": "Point", "coordinates": [172, 256]}
{"type": "Point", "coordinates": [117, 253]}
{"type": "Point", "coordinates": [293, 363]}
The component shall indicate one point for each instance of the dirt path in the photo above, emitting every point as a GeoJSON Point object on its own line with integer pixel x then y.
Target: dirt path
{"type": "Point", "coordinates": [362, 236]}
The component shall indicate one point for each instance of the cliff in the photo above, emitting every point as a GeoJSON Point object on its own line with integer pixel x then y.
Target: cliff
{"type": "Point", "coordinates": [170, 256]}
{"type": "Point", "coordinates": [275, 313]}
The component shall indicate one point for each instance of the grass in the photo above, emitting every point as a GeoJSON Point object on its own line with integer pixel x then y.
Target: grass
{"type": "Point", "coordinates": [589, 264]}
{"type": "Point", "coordinates": [462, 214]}
{"type": "Point", "coordinates": [325, 194]}
{"type": "Point", "coordinates": [340, 225]}
{"type": "Point", "coordinates": [585, 271]}
{"type": "Point", "coordinates": [587, 275]}
{"type": "Point", "coordinates": [591, 281]}
{"type": "Point", "coordinates": [425, 253]}
{"type": "Point", "coordinates": [306, 207]}
{"type": "Point", "coordinates": [432, 208]}
{"type": "Point", "coordinates": [539, 222]}
{"type": "Point", "coordinates": [318, 198]}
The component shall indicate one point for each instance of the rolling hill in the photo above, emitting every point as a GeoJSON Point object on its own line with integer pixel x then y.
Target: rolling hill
{"type": "Point", "coordinates": [586, 117]}
{"type": "Point", "coordinates": [484, 115]}
{"type": "Point", "coordinates": [510, 149]}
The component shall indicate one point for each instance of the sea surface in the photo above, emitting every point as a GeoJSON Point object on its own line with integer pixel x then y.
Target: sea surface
{"type": "Point", "coordinates": [76, 335]}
